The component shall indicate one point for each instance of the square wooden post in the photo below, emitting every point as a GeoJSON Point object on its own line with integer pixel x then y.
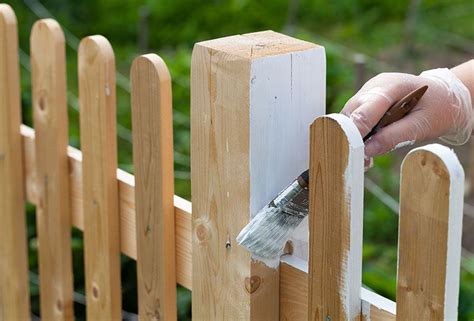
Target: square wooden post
{"type": "Point", "coordinates": [253, 97]}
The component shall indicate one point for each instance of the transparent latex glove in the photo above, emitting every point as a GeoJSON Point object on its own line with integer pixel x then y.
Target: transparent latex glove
{"type": "Point", "coordinates": [444, 111]}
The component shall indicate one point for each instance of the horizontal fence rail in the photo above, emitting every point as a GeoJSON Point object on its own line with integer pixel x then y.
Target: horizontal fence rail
{"type": "Point", "coordinates": [237, 82]}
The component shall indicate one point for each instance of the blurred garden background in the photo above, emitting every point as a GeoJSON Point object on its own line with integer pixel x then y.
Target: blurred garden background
{"type": "Point", "coordinates": [362, 38]}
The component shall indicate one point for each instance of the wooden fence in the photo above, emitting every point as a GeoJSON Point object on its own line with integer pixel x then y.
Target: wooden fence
{"type": "Point", "coordinates": [238, 84]}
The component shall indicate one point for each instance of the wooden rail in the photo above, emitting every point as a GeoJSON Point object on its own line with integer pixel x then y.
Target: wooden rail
{"type": "Point", "coordinates": [245, 91]}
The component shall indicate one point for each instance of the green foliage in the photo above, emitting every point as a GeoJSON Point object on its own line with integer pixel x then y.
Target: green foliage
{"type": "Point", "coordinates": [344, 27]}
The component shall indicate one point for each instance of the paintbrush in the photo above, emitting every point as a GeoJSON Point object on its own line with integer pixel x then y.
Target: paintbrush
{"type": "Point", "coordinates": [267, 233]}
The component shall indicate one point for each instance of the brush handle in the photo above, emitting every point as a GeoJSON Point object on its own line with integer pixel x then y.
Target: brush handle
{"type": "Point", "coordinates": [396, 112]}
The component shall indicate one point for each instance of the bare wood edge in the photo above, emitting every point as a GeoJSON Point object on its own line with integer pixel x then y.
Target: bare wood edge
{"type": "Point", "coordinates": [346, 279]}
{"type": "Point", "coordinates": [374, 307]}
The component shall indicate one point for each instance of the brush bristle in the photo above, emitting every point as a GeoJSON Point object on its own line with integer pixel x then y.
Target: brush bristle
{"type": "Point", "coordinates": [267, 233]}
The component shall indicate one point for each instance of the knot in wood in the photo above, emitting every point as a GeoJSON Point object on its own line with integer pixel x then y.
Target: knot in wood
{"type": "Point", "coordinates": [252, 284]}
{"type": "Point", "coordinates": [202, 233]}
{"type": "Point", "coordinates": [155, 314]}
{"type": "Point", "coordinates": [41, 103]}
{"type": "Point", "coordinates": [95, 291]}
{"type": "Point", "coordinates": [289, 248]}
{"type": "Point", "coordinates": [59, 305]}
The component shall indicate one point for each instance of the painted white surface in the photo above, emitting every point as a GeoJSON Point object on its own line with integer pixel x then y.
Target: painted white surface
{"type": "Point", "coordinates": [287, 92]}
{"type": "Point", "coordinates": [296, 262]}
{"type": "Point", "coordinates": [182, 204]}
{"type": "Point", "coordinates": [370, 298]}
{"type": "Point", "coordinates": [354, 190]}
{"type": "Point", "coordinates": [456, 197]}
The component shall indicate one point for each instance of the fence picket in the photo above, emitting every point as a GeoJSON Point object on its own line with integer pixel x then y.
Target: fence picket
{"type": "Point", "coordinates": [48, 71]}
{"type": "Point", "coordinates": [335, 219]}
{"type": "Point", "coordinates": [14, 292]}
{"type": "Point", "coordinates": [100, 190]}
{"type": "Point", "coordinates": [430, 229]}
{"type": "Point", "coordinates": [154, 188]}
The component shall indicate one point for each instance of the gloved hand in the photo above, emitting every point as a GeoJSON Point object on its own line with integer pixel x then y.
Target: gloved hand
{"type": "Point", "coordinates": [444, 111]}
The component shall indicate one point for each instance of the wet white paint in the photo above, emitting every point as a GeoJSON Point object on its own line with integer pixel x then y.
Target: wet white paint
{"type": "Point", "coordinates": [287, 92]}
{"type": "Point", "coordinates": [354, 195]}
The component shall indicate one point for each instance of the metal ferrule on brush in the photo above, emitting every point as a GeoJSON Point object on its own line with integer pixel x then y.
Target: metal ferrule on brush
{"type": "Point", "coordinates": [294, 199]}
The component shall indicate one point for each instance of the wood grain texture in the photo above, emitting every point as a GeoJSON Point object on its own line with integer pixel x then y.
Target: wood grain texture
{"type": "Point", "coordinates": [219, 273]}
{"type": "Point", "coordinates": [293, 293]}
{"type": "Point", "coordinates": [293, 277]}
{"type": "Point", "coordinates": [14, 292]}
{"type": "Point", "coordinates": [48, 71]}
{"type": "Point", "coordinates": [236, 91]}
{"type": "Point", "coordinates": [126, 189]}
{"type": "Point", "coordinates": [377, 314]}
{"type": "Point", "coordinates": [335, 219]}
{"type": "Point", "coordinates": [99, 170]}
{"type": "Point", "coordinates": [154, 187]}
{"type": "Point", "coordinates": [430, 229]}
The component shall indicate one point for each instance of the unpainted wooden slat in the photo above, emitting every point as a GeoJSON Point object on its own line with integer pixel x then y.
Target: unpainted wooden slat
{"type": "Point", "coordinates": [430, 230]}
{"type": "Point", "coordinates": [48, 73]}
{"type": "Point", "coordinates": [14, 292]}
{"type": "Point", "coordinates": [293, 291]}
{"type": "Point", "coordinates": [99, 170]}
{"type": "Point", "coordinates": [154, 188]}
{"type": "Point", "coordinates": [335, 219]}
{"type": "Point", "coordinates": [293, 277]}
